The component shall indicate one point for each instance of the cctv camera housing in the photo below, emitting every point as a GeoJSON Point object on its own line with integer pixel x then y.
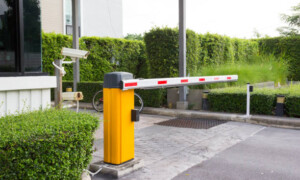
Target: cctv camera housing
{"type": "Point", "coordinates": [74, 53]}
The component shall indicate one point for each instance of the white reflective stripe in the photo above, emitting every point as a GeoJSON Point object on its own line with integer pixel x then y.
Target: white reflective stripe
{"type": "Point", "coordinates": [173, 82]}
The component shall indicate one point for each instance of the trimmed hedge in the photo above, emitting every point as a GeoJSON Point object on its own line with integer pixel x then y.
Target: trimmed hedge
{"type": "Point", "coordinates": [286, 48]}
{"type": "Point", "coordinates": [216, 49]}
{"type": "Point", "coordinates": [162, 49]}
{"type": "Point", "coordinates": [106, 55]}
{"type": "Point", "coordinates": [47, 144]}
{"type": "Point", "coordinates": [88, 89]}
{"type": "Point", "coordinates": [263, 101]}
{"type": "Point", "coordinates": [153, 97]}
{"type": "Point", "coordinates": [292, 106]}
{"type": "Point", "coordinates": [227, 102]}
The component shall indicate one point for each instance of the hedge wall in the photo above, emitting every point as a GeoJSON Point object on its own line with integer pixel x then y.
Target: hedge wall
{"type": "Point", "coordinates": [87, 88]}
{"type": "Point", "coordinates": [47, 144]}
{"type": "Point", "coordinates": [286, 48]}
{"type": "Point", "coordinates": [106, 55]}
{"type": "Point", "coordinates": [236, 103]}
{"type": "Point", "coordinates": [292, 106]}
{"type": "Point", "coordinates": [263, 101]}
{"type": "Point", "coordinates": [162, 49]}
{"type": "Point", "coordinates": [151, 97]}
{"type": "Point", "coordinates": [217, 49]}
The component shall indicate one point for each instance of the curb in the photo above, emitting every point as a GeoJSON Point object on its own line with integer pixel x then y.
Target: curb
{"type": "Point", "coordinates": [272, 121]}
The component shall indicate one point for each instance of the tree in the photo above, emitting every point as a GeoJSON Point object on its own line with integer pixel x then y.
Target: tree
{"type": "Point", "coordinates": [256, 34]}
{"type": "Point", "coordinates": [293, 21]}
{"type": "Point", "coordinates": [134, 37]}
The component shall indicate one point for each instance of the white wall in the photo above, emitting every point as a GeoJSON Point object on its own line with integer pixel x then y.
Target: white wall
{"type": "Point", "coordinates": [102, 18]}
{"type": "Point", "coordinates": [23, 94]}
{"type": "Point", "coordinates": [52, 16]}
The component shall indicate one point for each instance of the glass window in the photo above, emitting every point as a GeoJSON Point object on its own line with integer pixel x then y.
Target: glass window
{"type": "Point", "coordinates": [32, 35]}
{"type": "Point", "coordinates": [68, 12]}
{"type": "Point", "coordinates": [68, 18]}
{"type": "Point", "coordinates": [7, 36]}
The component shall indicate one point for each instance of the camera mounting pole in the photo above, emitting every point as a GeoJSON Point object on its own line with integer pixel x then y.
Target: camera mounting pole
{"type": "Point", "coordinates": [58, 90]}
{"type": "Point", "coordinates": [76, 26]}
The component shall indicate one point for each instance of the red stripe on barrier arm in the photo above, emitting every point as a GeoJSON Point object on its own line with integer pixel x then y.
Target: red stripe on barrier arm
{"type": "Point", "coordinates": [202, 79]}
{"type": "Point", "coordinates": [228, 77]}
{"type": "Point", "coordinates": [162, 82]}
{"type": "Point", "coordinates": [184, 80]}
{"type": "Point", "coordinates": [130, 84]}
{"type": "Point", "coordinates": [216, 78]}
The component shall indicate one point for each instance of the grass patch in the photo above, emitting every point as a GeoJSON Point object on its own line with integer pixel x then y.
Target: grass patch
{"type": "Point", "coordinates": [292, 90]}
{"type": "Point", "coordinates": [258, 69]}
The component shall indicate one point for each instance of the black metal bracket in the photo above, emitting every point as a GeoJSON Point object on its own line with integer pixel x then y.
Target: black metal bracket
{"type": "Point", "coordinates": [135, 115]}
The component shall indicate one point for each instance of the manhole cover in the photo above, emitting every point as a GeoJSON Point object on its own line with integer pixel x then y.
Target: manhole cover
{"type": "Point", "coordinates": [191, 123]}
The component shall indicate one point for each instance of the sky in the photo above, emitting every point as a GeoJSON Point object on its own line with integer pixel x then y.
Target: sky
{"type": "Point", "coordinates": [234, 18]}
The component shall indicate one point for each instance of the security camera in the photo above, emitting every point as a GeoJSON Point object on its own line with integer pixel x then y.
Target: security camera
{"type": "Point", "coordinates": [74, 53]}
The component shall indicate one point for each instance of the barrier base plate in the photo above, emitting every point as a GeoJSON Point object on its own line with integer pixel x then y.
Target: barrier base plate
{"type": "Point", "coordinates": [117, 171]}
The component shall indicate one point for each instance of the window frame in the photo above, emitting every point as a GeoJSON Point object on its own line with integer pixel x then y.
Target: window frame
{"type": "Point", "coordinates": [19, 45]}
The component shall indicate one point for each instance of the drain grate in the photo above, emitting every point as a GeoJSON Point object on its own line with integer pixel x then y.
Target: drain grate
{"type": "Point", "coordinates": [191, 123]}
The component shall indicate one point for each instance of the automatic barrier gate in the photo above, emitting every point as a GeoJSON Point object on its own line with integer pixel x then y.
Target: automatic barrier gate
{"type": "Point", "coordinates": [119, 113]}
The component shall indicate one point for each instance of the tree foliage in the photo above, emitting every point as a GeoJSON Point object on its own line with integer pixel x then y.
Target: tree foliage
{"type": "Point", "coordinates": [293, 21]}
{"type": "Point", "coordinates": [134, 37]}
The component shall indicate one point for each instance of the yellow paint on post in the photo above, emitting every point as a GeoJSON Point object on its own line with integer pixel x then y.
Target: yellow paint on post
{"type": "Point", "coordinates": [118, 127]}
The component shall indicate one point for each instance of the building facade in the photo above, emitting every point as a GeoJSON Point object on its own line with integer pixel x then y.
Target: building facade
{"type": "Point", "coordinates": [102, 18]}
{"type": "Point", "coordinates": [23, 85]}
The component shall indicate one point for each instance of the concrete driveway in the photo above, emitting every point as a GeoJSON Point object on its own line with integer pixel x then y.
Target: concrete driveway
{"type": "Point", "coordinates": [232, 150]}
{"type": "Point", "coordinates": [273, 153]}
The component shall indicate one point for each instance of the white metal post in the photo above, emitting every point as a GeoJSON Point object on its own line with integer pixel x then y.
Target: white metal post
{"type": "Point", "coordinates": [248, 100]}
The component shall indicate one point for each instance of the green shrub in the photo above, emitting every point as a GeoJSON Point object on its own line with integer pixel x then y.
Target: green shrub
{"type": "Point", "coordinates": [47, 144]}
{"type": "Point", "coordinates": [263, 101]}
{"type": "Point", "coordinates": [216, 49]}
{"type": "Point", "coordinates": [162, 49]}
{"type": "Point", "coordinates": [51, 49]}
{"type": "Point", "coordinates": [88, 89]}
{"type": "Point", "coordinates": [227, 102]}
{"type": "Point", "coordinates": [106, 55]}
{"type": "Point", "coordinates": [153, 97]}
{"type": "Point", "coordinates": [292, 105]}
{"type": "Point", "coordinates": [286, 48]}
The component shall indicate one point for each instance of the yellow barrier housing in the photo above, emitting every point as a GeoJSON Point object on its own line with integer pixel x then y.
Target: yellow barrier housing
{"type": "Point", "coordinates": [118, 127]}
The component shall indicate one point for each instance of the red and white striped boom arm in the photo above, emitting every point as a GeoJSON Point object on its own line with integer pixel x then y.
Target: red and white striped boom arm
{"type": "Point", "coordinates": [174, 82]}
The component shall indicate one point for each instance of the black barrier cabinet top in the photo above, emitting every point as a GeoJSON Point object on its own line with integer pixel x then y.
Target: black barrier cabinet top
{"type": "Point", "coordinates": [114, 79]}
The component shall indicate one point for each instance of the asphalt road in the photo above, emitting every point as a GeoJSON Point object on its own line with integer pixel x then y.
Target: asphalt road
{"type": "Point", "coordinates": [271, 154]}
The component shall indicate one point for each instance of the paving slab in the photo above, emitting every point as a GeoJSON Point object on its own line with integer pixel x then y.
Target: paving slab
{"type": "Point", "coordinates": [273, 121]}
{"type": "Point", "coordinates": [146, 120]}
{"type": "Point", "coordinates": [168, 151]}
{"type": "Point", "coordinates": [273, 153]}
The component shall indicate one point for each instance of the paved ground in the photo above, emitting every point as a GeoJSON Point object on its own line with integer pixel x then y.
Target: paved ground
{"type": "Point", "coordinates": [272, 153]}
{"type": "Point", "coordinates": [168, 151]}
{"type": "Point", "coordinates": [233, 150]}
